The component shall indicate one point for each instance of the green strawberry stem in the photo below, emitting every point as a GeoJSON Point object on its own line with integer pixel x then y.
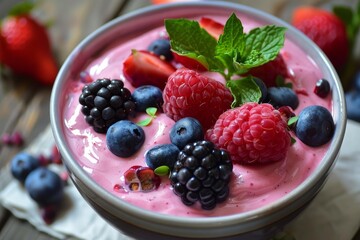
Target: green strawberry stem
{"type": "Point", "coordinates": [21, 8]}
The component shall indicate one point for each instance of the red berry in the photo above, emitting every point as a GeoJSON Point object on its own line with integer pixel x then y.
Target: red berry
{"type": "Point", "coordinates": [326, 30]}
{"type": "Point", "coordinates": [252, 133]}
{"type": "Point", "coordinates": [271, 70]}
{"type": "Point", "coordinates": [214, 28]}
{"type": "Point", "coordinates": [190, 94]}
{"type": "Point", "coordinates": [146, 68]}
{"type": "Point", "coordinates": [138, 178]}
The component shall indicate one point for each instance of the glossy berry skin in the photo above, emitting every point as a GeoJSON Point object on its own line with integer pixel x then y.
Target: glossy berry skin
{"type": "Point", "coordinates": [186, 130]}
{"type": "Point", "coordinates": [282, 96]}
{"type": "Point", "coordinates": [161, 47]}
{"type": "Point", "coordinates": [146, 68]}
{"type": "Point", "coordinates": [252, 134]}
{"type": "Point", "coordinates": [124, 138]}
{"type": "Point", "coordinates": [353, 105]}
{"type": "Point", "coordinates": [264, 91]}
{"type": "Point", "coordinates": [202, 173]}
{"type": "Point", "coordinates": [22, 164]}
{"type": "Point", "coordinates": [322, 88]}
{"type": "Point", "coordinates": [326, 30]}
{"type": "Point", "coordinates": [45, 186]}
{"type": "Point", "coordinates": [104, 102]}
{"type": "Point", "coordinates": [147, 96]}
{"type": "Point", "coordinates": [25, 48]}
{"type": "Point", "coordinates": [315, 126]}
{"type": "Point", "coordinates": [190, 94]}
{"type": "Point", "coordinates": [270, 71]}
{"type": "Point", "coordinates": [162, 155]}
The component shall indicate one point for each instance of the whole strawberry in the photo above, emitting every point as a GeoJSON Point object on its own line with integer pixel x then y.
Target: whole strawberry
{"type": "Point", "coordinates": [252, 133]}
{"type": "Point", "coordinates": [190, 94]}
{"type": "Point", "coordinates": [326, 30]}
{"type": "Point", "coordinates": [25, 47]}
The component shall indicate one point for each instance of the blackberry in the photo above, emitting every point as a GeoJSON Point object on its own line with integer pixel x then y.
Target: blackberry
{"type": "Point", "coordinates": [105, 102]}
{"type": "Point", "coordinates": [202, 173]}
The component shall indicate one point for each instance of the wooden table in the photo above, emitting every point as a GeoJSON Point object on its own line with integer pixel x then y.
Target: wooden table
{"type": "Point", "coordinates": [25, 105]}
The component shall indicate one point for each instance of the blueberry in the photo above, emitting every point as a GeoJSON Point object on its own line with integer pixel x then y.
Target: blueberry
{"type": "Point", "coordinates": [353, 105]}
{"type": "Point", "coordinates": [315, 126]}
{"type": "Point", "coordinates": [147, 96]}
{"type": "Point", "coordinates": [22, 164]}
{"type": "Point", "coordinates": [186, 130]}
{"type": "Point", "coordinates": [282, 96]}
{"type": "Point", "coordinates": [124, 138]}
{"type": "Point", "coordinates": [357, 81]}
{"type": "Point", "coordinates": [161, 47]}
{"type": "Point", "coordinates": [322, 88]}
{"type": "Point", "coordinates": [162, 155]}
{"type": "Point", "coordinates": [262, 88]}
{"type": "Point", "coordinates": [45, 186]}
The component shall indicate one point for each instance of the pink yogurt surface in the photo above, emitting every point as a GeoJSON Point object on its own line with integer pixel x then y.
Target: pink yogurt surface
{"type": "Point", "coordinates": [251, 187]}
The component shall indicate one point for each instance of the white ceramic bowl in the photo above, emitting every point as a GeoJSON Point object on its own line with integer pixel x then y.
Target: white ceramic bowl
{"type": "Point", "coordinates": [257, 224]}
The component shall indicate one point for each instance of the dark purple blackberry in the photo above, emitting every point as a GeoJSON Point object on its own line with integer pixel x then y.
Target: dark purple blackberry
{"type": "Point", "coordinates": [202, 173]}
{"type": "Point", "coordinates": [105, 102]}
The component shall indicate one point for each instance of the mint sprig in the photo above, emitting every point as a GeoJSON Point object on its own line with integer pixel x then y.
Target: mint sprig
{"type": "Point", "coordinates": [235, 53]}
{"type": "Point", "coordinates": [151, 111]}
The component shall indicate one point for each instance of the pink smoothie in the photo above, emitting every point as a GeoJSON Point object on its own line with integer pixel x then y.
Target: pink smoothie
{"type": "Point", "coordinates": [251, 187]}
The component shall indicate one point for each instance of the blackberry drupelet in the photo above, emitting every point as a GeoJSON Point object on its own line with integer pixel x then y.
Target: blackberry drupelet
{"type": "Point", "coordinates": [202, 173]}
{"type": "Point", "coordinates": [105, 102]}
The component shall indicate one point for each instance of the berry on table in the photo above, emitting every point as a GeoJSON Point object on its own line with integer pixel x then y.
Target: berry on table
{"type": "Point", "coordinates": [124, 138]}
{"type": "Point", "coordinates": [190, 94]}
{"type": "Point", "coordinates": [252, 133]}
{"type": "Point", "coordinates": [141, 179]}
{"type": "Point", "coordinates": [146, 68]}
{"type": "Point", "coordinates": [147, 96]}
{"type": "Point", "coordinates": [282, 96]}
{"type": "Point", "coordinates": [202, 173]}
{"type": "Point", "coordinates": [322, 88]}
{"type": "Point", "coordinates": [45, 187]}
{"type": "Point", "coordinates": [353, 105]}
{"type": "Point", "coordinates": [186, 130]}
{"type": "Point", "coordinates": [162, 155]}
{"type": "Point", "coordinates": [105, 102]}
{"type": "Point", "coordinates": [315, 126]}
{"type": "Point", "coordinates": [161, 47]}
{"type": "Point", "coordinates": [22, 164]}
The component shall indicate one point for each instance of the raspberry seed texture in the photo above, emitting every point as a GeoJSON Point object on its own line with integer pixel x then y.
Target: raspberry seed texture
{"type": "Point", "coordinates": [252, 133]}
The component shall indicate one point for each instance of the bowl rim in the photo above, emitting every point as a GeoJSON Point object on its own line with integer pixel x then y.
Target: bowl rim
{"type": "Point", "coordinates": [196, 222]}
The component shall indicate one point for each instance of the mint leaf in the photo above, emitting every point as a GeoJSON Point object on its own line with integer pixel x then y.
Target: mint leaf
{"type": "Point", "coordinates": [292, 120]}
{"type": "Point", "coordinates": [151, 111]}
{"type": "Point", "coordinates": [348, 17]}
{"type": "Point", "coordinates": [244, 90]}
{"type": "Point", "coordinates": [144, 122]}
{"type": "Point", "coordinates": [261, 46]}
{"type": "Point", "coordinates": [162, 170]}
{"type": "Point", "coordinates": [188, 39]}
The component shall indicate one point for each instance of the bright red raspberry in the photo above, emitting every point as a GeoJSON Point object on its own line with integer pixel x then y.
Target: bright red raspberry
{"type": "Point", "coordinates": [252, 133]}
{"type": "Point", "coordinates": [190, 94]}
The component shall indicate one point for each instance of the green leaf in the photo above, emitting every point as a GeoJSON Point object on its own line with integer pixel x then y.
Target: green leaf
{"type": "Point", "coordinates": [162, 170]}
{"type": "Point", "coordinates": [292, 120]}
{"type": "Point", "coordinates": [244, 90]}
{"type": "Point", "coordinates": [151, 111]}
{"type": "Point", "coordinates": [22, 8]}
{"type": "Point", "coordinates": [188, 39]}
{"type": "Point", "coordinates": [144, 122]}
{"type": "Point", "coordinates": [348, 17]}
{"type": "Point", "coordinates": [261, 46]}
{"type": "Point", "coordinates": [293, 140]}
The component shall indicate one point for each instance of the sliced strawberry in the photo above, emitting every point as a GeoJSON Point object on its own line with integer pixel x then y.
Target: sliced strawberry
{"type": "Point", "coordinates": [145, 68]}
{"type": "Point", "coordinates": [271, 70]}
{"type": "Point", "coordinates": [214, 28]}
{"type": "Point", "coordinates": [189, 63]}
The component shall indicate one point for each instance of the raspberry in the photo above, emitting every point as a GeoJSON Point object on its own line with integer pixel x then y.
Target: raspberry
{"type": "Point", "coordinates": [190, 94]}
{"type": "Point", "coordinates": [105, 102]}
{"type": "Point", "coordinates": [252, 133]}
{"type": "Point", "coordinates": [202, 173]}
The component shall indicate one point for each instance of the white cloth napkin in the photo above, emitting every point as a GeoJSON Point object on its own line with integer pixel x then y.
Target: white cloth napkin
{"type": "Point", "coordinates": [334, 214]}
